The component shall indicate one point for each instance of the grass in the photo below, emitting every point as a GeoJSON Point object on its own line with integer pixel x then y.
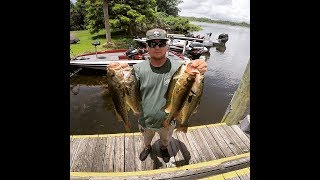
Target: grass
{"type": "Point", "coordinates": [86, 40]}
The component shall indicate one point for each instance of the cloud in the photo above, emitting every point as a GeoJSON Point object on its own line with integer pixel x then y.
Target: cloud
{"type": "Point", "coordinates": [229, 10]}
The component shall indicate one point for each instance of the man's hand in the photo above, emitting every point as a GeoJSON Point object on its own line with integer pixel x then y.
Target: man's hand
{"type": "Point", "coordinates": [200, 64]}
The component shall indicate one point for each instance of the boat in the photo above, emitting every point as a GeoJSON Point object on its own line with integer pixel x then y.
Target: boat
{"type": "Point", "coordinates": [100, 60]}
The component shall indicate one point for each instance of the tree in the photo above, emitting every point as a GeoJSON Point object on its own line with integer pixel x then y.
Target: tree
{"type": "Point", "coordinates": [131, 16]}
{"type": "Point", "coordinates": [94, 18]}
{"type": "Point", "coordinates": [106, 20]}
{"type": "Point", "coordinates": [169, 6]}
{"type": "Point", "coordinates": [77, 15]}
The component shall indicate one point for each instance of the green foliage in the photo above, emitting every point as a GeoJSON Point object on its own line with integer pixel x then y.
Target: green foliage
{"type": "Point", "coordinates": [94, 18]}
{"type": "Point", "coordinates": [169, 6]}
{"type": "Point", "coordinates": [202, 19]}
{"type": "Point", "coordinates": [131, 16]}
{"type": "Point", "coordinates": [175, 24]}
{"type": "Point", "coordinates": [77, 15]}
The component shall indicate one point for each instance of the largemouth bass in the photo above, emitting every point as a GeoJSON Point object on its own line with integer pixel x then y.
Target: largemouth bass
{"type": "Point", "coordinates": [181, 83]}
{"type": "Point", "coordinates": [191, 103]}
{"type": "Point", "coordinates": [132, 91]}
{"type": "Point", "coordinates": [116, 88]}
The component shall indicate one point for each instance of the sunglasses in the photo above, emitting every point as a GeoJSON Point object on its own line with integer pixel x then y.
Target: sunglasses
{"type": "Point", "coordinates": [153, 44]}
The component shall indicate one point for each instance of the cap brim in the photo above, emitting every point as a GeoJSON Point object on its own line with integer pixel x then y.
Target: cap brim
{"type": "Point", "coordinates": [158, 39]}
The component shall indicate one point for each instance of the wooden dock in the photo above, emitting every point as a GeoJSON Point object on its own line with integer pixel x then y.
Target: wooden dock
{"type": "Point", "coordinates": [208, 151]}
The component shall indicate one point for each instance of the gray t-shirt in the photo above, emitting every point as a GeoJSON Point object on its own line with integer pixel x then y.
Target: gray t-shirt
{"type": "Point", "coordinates": [154, 82]}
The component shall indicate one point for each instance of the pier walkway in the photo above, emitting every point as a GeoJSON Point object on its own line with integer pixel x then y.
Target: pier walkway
{"type": "Point", "coordinates": [215, 151]}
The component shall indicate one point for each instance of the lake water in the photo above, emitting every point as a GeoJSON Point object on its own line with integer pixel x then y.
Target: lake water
{"type": "Point", "coordinates": [91, 106]}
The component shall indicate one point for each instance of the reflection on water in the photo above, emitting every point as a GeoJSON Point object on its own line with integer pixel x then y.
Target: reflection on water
{"type": "Point", "coordinates": [221, 48]}
{"type": "Point", "coordinates": [91, 109]}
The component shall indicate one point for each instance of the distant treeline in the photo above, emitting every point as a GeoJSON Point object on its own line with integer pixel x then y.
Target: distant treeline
{"type": "Point", "coordinates": [202, 19]}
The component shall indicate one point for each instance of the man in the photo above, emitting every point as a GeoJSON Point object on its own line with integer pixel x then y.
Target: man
{"type": "Point", "coordinates": [154, 77]}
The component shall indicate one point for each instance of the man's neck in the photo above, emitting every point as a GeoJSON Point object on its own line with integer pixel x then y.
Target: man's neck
{"type": "Point", "coordinates": [158, 62]}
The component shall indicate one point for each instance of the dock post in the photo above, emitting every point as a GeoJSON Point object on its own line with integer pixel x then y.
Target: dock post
{"type": "Point", "coordinates": [240, 100]}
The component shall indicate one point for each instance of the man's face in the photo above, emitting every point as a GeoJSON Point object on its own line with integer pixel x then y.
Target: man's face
{"type": "Point", "coordinates": [157, 49]}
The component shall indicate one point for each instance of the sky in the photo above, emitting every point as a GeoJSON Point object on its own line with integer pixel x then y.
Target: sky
{"type": "Point", "coordinates": [229, 10]}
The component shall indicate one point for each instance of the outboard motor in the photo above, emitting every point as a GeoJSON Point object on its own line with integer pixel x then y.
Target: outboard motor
{"type": "Point", "coordinates": [195, 50]}
{"type": "Point", "coordinates": [223, 38]}
{"type": "Point", "coordinates": [131, 52]}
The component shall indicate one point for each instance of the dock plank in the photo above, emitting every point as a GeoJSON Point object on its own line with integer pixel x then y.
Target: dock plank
{"type": "Point", "coordinates": [177, 151]}
{"type": "Point", "coordinates": [138, 139]}
{"type": "Point", "coordinates": [232, 145]}
{"type": "Point", "coordinates": [219, 139]}
{"type": "Point", "coordinates": [119, 154]}
{"type": "Point", "coordinates": [195, 147]}
{"type": "Point", "coordinates": [202, 145]}
{"type": "Point", "coordinates": [186, 149]}
{"type": "Point", "coordinates": [234, 136]}
{"type": "Point", "coordinates": [98, 155]}
{"type": "Point", "coordinates": [129, 153]}
{"type": "Point", "coordinates": [151, 161]}
{"type": "Point", "coordinates": [215, 148]}
{"type": "Point", "coordinates": [108, 162]}
{"type": "Point", "coordinates": [172, 160]}
{"type": "Point", "coordinates": [74, 145]}
{"type": "Point", "coordinates": [159, 163]}
{"type": "Point", "coordinates": [83, 158]}
{"type": "Point", "coordinates": [232, 175]}
{"type": "Point", "coordinates": [244, 174]}
{"type": "Point", "coordinates": [242, 135]}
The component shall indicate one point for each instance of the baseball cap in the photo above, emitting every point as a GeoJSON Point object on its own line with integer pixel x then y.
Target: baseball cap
{"type": "Point", "coordinates": [156, 34]}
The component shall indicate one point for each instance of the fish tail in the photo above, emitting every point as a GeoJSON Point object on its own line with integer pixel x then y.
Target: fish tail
{"type": "Point", "coordinates": [166, 123]}
{"type": "Point", "coordinates": [127, 126]}
{"type": "Point", "coordinates": [182, 128]}
{"type": "Point", "coordinates": [118, 116]}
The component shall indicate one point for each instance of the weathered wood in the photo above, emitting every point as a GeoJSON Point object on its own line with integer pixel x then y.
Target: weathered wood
{"type": "Point", "coordinates": [223, 145]}
{"type": "Point", "coordinates": [158, 161]}
{"type": "Point", "coordinates": [151, 161]}
{"type": "Point", "coordinates": [129, 153]}
{"type": "Point", "coordinates": [138, 139]}
{"type": "Point", "coordinates": [244, 174]}
{"type": "Point", "coordinates": [109, 158]}
{"type": "Point", "coordinates": [230, 142]}
{"type": "Point", "coordinates": [98, 155]}
{"type": "Point", "coordinates": [231, 176]}
{"type": "Point", "coordinates": [234, 136]}
{"type": "Point", "coordinates": [188, 154]}
{"type": "Point", "coordinates": [203, 145]}
{"type": "Point", "coordinates": [74, 145]}
{"type": "Point", "coordinates": [215, 149]}
{"type": "Point", "coordinates": [240, 100]}
{"type": "Point", "coordinates": [241, 134]}
{"type": "Point", "coordinates": [119, 154]}
{"type": "Point", "coordinates": [83, 158]}
{"type": "Point", "coordinates": [185, 172]}
{"type": "Point", "coordinates": [177, 151]}
{"type": "Point", "coordinates": [194, 150]}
